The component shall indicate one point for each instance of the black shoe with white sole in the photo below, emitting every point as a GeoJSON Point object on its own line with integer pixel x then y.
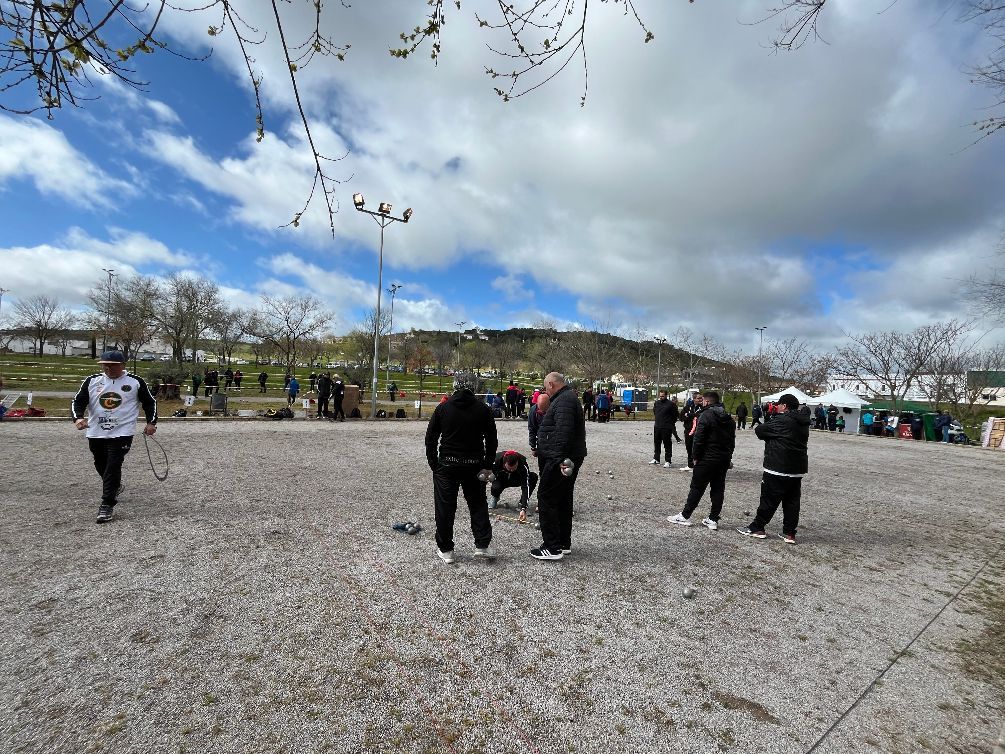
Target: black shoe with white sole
{"type": "Point", "coordinates": [104, 514]}
{"type": "Point", "coordinates": [543, 553]}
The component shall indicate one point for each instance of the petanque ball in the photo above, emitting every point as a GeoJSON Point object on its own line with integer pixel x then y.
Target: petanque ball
{"type": "Point", "coordinates": [537, 525]}
{"type": "Point", "coordinates": [610, 497]}
{"type": "Point", "coordinates": [689, 592]}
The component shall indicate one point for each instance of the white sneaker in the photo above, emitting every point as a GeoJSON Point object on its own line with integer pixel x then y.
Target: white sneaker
{"type": "Point", "coordinates": [679, 520]}
{"type": "Point", "coordinates": [667, 465]}
{"type": "Point", "coordinates": [686, 468]}
{"type": "Point", "coordinates": [486, 553]}
{"type": "Point", "coordinates": [446, 557]}
{"type": "Point", "coordinates": [654, 461]}
{"type": "Point", "coordinates": [710, 524]}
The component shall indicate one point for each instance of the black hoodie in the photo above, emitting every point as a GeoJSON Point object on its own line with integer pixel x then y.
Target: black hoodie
{"type": "Point", "coordinates": [465, 431]}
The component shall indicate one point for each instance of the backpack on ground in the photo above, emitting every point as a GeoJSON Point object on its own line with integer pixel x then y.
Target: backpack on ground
{"type": "Point", "coordinates": [399, 414]}
{"type": "Point", "coordinates": [355, 414]}
{"type": "Point", "coordinates": [381, 413]}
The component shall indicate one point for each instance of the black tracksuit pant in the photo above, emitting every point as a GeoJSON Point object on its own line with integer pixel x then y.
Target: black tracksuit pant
{"type": "Point", "coordinates": [689, 447]}
{"type": "Point", "coordinates": [775, 490]}
{"type": "Point", "coordinates": [323, 399]}
{"type": "Point", "coordinates": [109, 453]}
{"type": "Point", "coordinates": [447, 480]}
{"type": "Point", "coordinates": [337, 400]}
{"type": "Point", "coordinates": [510, 408]}
{"type": "Point", "coordinates": [664, 438]}
{"type": "Point", "coordinates": [525, 480]}
{"type": "Point", "coordinates": [712, 476]}
{"type": "Point", "coordinates": [554, 503]}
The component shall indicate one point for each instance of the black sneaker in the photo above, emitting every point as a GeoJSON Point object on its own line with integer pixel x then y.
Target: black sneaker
{"type": "Point", "coordinates": [104, 514]}
{"type": "Point", "coordinates": [543, 553]}
{"type": "Point", "coordinates": [119, 490]}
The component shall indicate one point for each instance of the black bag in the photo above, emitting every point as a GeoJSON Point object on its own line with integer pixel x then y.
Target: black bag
{"type": "Point", "coordinates": [381, 413]}
{"type": "Point", "coordinates": [355, 414]}
{"type": "Point", "coordinates": [399, 414]}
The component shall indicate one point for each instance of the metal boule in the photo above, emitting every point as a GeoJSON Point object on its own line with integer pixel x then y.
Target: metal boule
{"type": "Point", "coordinates": [689, 592]}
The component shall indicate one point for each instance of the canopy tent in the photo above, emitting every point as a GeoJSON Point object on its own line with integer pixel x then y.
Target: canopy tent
{"type": "Point", "coordinates": [800, 395]}
{"type": "Point", "coordinates": [850, 404]}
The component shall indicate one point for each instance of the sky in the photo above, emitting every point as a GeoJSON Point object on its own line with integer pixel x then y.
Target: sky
{"type": "Point", "coordinates": [708, 182]}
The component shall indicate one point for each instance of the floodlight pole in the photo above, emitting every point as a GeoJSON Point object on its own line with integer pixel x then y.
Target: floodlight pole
{"type": "Point", "coordinates": [760, 348]}
{"type": "Point", "coordinates": [392, 290]}
{"type": "Point", "coordinates": [383, 219]}
{"type": "Point", "coordinates": [659, 362]}
{"type": "Point", "coordinates": [459, 326]}
{"type": "Point", "coordinates": [108, 309]}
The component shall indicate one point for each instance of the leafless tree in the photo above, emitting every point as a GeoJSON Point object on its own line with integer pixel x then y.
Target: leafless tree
{"type": "Point", "coordinates": [288, 322]}
{"type": "Point", "coordinates": [894, 359]}
{"type": "Point", "coordinates": [183, 312]}
{"type": "Point", "coordinates": [41, 316]}
{"type": "Point", "coordinates": [443, 352]}
{"type": "Point", "coordinates": [362, 336]}
{"type": "Point", "coordinates": [595, 353]}
{"type": "Point", "coordinates": [229, 328]}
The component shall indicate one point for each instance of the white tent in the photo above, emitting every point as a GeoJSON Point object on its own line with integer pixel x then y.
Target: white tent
{"type": "Point", "coordinates": [850, 404]}
{"type": "Point", "coordinates": [800, 396]}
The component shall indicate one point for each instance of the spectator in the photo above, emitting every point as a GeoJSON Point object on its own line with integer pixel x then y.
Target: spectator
{"type": "Point", "coordinates": [228, 377]}
{"type": "Point", "coordinates": [238, 376]}
{"type": "Point", "coordinates": [196, 381]}
{"type": "Point", "coordinates": [314, 381]}
{"type": "Point", "coordinates": [262, 378]}
{"type": "Point", "coordinates": [867, 420]}
{"type": "Point", "coordinates": [832, 415]}
{"type": "Point", "coordinates": [294, 388]}
{"type": "Point", "coordinates": [840, 423]}
{"type": "Point", "coordinates": [942, 422]}
{"type": "Point", "coordinates": [755, 415]}
{"type": "Point", "coordinates": [392, 390]}
{"type": "Point", "coordinates": [665, 416]}
{"type": "Point", "coordinates": [338, 395]}
{"type": "Point", "coordinates": [589, 404]}
{"type": "Point", "coordinates": [741, 416]}
{"type": "Point", "coordinates": [534, 421]}
{"type": "Point", "coordinates": [512, 396]}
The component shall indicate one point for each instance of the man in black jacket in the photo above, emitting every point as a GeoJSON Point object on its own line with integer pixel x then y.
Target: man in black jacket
{"type": "Point", "coordinates": [714, 441]}
{"type": "Point", "coordinates": [562, 435]}
{"type": "Point", "coordinates": [460, 442]}
{"type": "Point", "coordinates": [511, 470]}
{"type": "Point", "coordinates": [338, 394]}
{"type": "Point", "coordinates": [324, 385]}
{"type": "Point", "coordinates": [692, 408]}
{"type": "Point", "coordinates": [537, 412]}
{"type": "Point", "coordinates": [786, 462]}
{"type": "Point", "coordinates": [665, 412]}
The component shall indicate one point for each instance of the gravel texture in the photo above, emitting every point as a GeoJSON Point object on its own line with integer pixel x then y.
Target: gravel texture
{"type": "Point", "coordinates": [259, 601]}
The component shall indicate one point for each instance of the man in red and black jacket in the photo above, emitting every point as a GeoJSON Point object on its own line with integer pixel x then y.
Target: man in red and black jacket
{"type": "Point", "coordinates": [461, 441]}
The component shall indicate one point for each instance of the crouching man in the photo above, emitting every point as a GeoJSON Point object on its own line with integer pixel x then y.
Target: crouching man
{"type": "Point", "coordinates": [511, 470]}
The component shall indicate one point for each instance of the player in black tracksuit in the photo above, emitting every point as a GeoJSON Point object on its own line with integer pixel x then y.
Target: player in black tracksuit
{"type": "Point", "coordinates": [687, 417]}
{"type": "Point", "coordinates": [461, 441]}
{"type": "Point", "coordinates": [786, 462]}
{"type": "Point", "coordinates": [511, 470]}
{"type": "Point", "coordinates": [713, 445]}
{"type": "Point", "coordinates": [338, 393]}
{"type": "Point", "coordinates": [665, 412]}
{"type": "Point", "coordinates": [324, 386]}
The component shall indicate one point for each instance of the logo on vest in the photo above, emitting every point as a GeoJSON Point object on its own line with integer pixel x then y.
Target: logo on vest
{"type": "Point", "coordinates": [110, 401]}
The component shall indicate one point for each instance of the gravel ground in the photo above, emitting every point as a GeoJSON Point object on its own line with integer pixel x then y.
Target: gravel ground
{"type": "Point", "coordinates": [258, 601]}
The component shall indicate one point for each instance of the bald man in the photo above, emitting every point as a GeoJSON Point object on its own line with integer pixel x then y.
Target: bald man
{"type": "Point", "coordinates": [537, 412]}
{"type": "Point", "coordinates": [561, 435]}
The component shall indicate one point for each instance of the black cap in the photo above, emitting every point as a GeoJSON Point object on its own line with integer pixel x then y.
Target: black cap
{"type": "Point", "coordinates": [112, 357]}
{"type": "Point", "coordinates": [790, 401]}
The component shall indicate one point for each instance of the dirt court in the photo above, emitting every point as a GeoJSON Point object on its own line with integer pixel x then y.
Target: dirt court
{"type": "Point", "coordinates": [259, 601]}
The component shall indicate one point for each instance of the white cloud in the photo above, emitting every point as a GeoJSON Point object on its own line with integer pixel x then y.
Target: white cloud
{"type": "Point", "coordinates": [69, 268]}
{"type": "Point", "coordinates": [512, 287]}
{"type": "Point", "coordinates": [36, 151]}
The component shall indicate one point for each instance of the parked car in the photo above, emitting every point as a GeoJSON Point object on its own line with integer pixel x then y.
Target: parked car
{"type": "Point", "coordinates": [165, 357]}
{"type": "Point", "coordinates": [148, 357]}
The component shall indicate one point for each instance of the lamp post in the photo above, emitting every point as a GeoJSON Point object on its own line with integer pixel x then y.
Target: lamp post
{"type": "Point", "coordinates": [108, 309]}
{"type": "Point", "coordinates": [760, 347]}
{"type": "Point", "coordinates": [2, 292]}
{"type": "Point", "coordinates": [660, 342]}
{"type": "Point", "coordinates": [459, 326]}
{"type": "Point", "coordinates": [390, 329]}
{"type": "Point", "coordinates": [383, 218]}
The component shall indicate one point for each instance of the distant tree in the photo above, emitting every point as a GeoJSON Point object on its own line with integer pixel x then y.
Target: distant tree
{"type": "Point", "coordinates": [183, 311]}
{"type": "Point", "coordinates": [288, 322]}
{"type": "Point", "coordinates": [41, 316]}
